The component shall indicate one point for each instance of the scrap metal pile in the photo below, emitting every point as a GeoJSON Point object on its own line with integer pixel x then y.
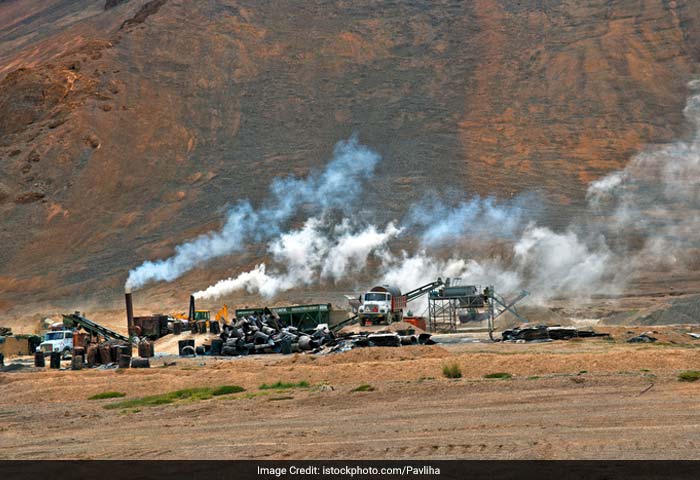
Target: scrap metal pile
{"type": "Point", "coordinates": [267, 334]}
{"type": "Point", "coordinates": [543, 333]}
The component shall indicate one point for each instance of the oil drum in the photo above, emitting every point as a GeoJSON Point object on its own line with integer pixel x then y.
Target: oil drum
{"type": "Point", "coordinates": [93, 355]}
{"type": "Point", "coordinates": [140, 363]}
{"type": "Point", "coordinates": [76, 362]}
{"type": "Point", "coordinates": [55, 361]}
{"type": "Point", "coordinates": [105, 354]}
{"type": "Point", "coordinates": [39, 360]}
{"type": "Point", "coordinates": [216, 345]}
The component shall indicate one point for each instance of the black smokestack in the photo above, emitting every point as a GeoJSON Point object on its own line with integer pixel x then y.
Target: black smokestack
{"type": "Point", "coordinates": [190, 317]}
{"type": "Point", "coordinates": [129, 312]}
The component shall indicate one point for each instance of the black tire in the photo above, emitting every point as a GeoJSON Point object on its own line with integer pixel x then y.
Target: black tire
{"type": "Point", "coordinates": [187, 351]}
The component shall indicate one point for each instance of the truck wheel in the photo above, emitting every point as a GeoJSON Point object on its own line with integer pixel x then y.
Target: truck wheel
{"type": "Point", "coordinates": [66, 353]}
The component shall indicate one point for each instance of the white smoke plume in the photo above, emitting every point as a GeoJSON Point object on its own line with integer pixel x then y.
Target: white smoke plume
{"type": "Point", "coordinates": [315, 253]}
{"type": "Point", "coordinates": [652, 206]}
{"type": "Point", "coordinates": [440, 222]}
{"type": "Point", "coordinates": [335, 187]}
{"type": "Point", "coordinates": [644, 215]}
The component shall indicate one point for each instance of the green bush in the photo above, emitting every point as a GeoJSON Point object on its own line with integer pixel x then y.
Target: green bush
{"type": "Point", "coordinates": [452, 370]}
{"type": "Point", "coordinates": [364, 388]}
{"type": "Point", "coordinates": [103, 395]}
{"type": "Point", "coordinates": [280, 385]}
{"type": "Point", "coordinates": [192, 394]}
{"type": "Point", "coordinates": [501, 375]}
{"type": "Point", "coordinates": [227, 390]}
{"type": "Point", "coordinates": [689, 376]}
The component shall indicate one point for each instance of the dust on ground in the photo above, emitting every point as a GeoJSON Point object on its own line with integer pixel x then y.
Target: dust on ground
{"type": "Point", "coordinates": [586, 398]}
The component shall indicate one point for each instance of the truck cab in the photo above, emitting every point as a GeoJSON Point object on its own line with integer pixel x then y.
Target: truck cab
{"type": "Point", "coordinates": [381, 304]}
{"type": "Point", "coordinates": [57, 341]}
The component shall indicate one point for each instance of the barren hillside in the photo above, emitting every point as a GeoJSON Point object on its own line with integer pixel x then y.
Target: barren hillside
{"type": "Point", "coordinates": [125, 126]}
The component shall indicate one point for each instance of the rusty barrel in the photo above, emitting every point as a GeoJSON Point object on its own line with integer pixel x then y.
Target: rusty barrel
{"type": "Point", "coordinates": [93, 355]}
{"type": "Point", "coordinates": [123, 351]}
{"type": "Point", "coordinates": [105, 354]}
{"type": "Point", "coordinates": [80, 339]}
{"type": "Point", "coordinates": [55, 361]}
{"type": "Point", "coordinates": [146, 349]}
{"type": "Point", "coordinates": [124, 361]}
{"type": "Point", "coordinates": [76, 362]}
{"type": "Point", "coordinates": [79, 352]}
{"type": "Point", "coordinates": [177, 327]}
{"type": "Point", "coordinates": [39, 360]}
{"type": "Point", "coordinates": [114, 352]}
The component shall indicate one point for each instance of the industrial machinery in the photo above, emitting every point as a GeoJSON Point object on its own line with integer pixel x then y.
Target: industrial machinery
{"type": "Point", "coordinates": [197, 315]}
{"type": "Point", "coordinates": [384, 303]}
{"type": "Point", "coordinates": [76, 320]}
{"type": "Point", "coordinates": [455, 304]}
{"type": "Point", "coordinates": [222, 315]}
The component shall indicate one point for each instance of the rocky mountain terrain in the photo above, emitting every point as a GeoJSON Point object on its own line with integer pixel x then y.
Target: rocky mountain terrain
{"type": "Point", "coordinates": [127, 125]}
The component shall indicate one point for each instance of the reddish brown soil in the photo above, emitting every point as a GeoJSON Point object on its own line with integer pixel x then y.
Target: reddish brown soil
{"type": "Point", "coordinates": [586, 399]}
{"type": "Point", "coordinates": [122, 131]}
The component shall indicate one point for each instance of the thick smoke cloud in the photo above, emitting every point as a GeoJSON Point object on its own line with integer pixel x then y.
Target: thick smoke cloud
{"type": "Point", "coordinates": [644, 216]}
{"type": "Point", "coordinates": [652, 206]}
{"type": "Point", "coordinates": [439, 222]}
{"type": "Point", "coordinates": [313, 254]}
{"type": "Point", "coordinates": [334, 187]}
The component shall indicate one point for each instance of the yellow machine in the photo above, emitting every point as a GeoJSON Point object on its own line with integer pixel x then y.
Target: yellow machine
{"type": "Point", "coordinates": [222, 315]}
{"type": "Point", "coordinates": [198, 315]}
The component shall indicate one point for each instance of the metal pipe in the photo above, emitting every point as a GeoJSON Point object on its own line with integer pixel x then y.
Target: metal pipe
{"type": "Point", "coordinates": [129, 313]}
{"type": "Point", "coordinates": [190, 317]}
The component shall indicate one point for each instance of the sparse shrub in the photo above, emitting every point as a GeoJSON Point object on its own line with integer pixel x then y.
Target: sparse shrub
{"type": "Point", "coordinates": [689, 376]}
{"type": "Point", "coordinates": [499, 375]}
{"type": "Point", "coordinates": [364, 388]}
{"type": "Point", "coordinates": [280, 385]}
{"type": "Point", "coordinates": [103, 395]}
{"type": "Point", "coordinates": [227, 390]}
{"type": "Point", "coordinates": [452, 370]}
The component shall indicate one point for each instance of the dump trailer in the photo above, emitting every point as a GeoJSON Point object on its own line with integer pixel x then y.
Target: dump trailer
{"type": "Point", "coordinates": [382, 304]}
{"type": "Point", "coordinates": [385, 303]}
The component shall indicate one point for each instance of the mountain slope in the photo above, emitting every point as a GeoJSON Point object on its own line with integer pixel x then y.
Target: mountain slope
{"type": "Point", "coordinates": [125, 130]}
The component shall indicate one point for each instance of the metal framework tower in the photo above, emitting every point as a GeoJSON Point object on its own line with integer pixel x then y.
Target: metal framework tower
{"type": "Point", "coordinates": [451, 305]}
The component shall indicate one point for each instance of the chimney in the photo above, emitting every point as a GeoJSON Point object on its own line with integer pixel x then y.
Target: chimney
{"type": "Point", "coordinates": [190, 317]}
{"type": "Point", "coordinates": [129, 312]}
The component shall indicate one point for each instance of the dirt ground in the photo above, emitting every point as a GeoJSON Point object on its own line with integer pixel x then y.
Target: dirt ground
{"type": "Point", "coordinates": [583, 399]}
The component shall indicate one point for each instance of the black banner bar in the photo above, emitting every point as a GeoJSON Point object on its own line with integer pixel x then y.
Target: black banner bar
{"type": "Point", "coordinates": [351, 470]}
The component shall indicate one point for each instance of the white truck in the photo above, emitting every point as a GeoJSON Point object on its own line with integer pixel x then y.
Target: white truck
{"type": "Point", "coordinates": [57, 341]}
{"type": "Point", "coordinates": [382, 303]}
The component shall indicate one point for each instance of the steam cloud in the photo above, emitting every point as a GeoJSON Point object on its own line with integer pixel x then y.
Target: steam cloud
{"type": "Point", "coordinates": [334, 187]}
{"type": "Point", "coordinates": [315, 253]}
{"type": "Point", "coordinates": [642, 216]}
